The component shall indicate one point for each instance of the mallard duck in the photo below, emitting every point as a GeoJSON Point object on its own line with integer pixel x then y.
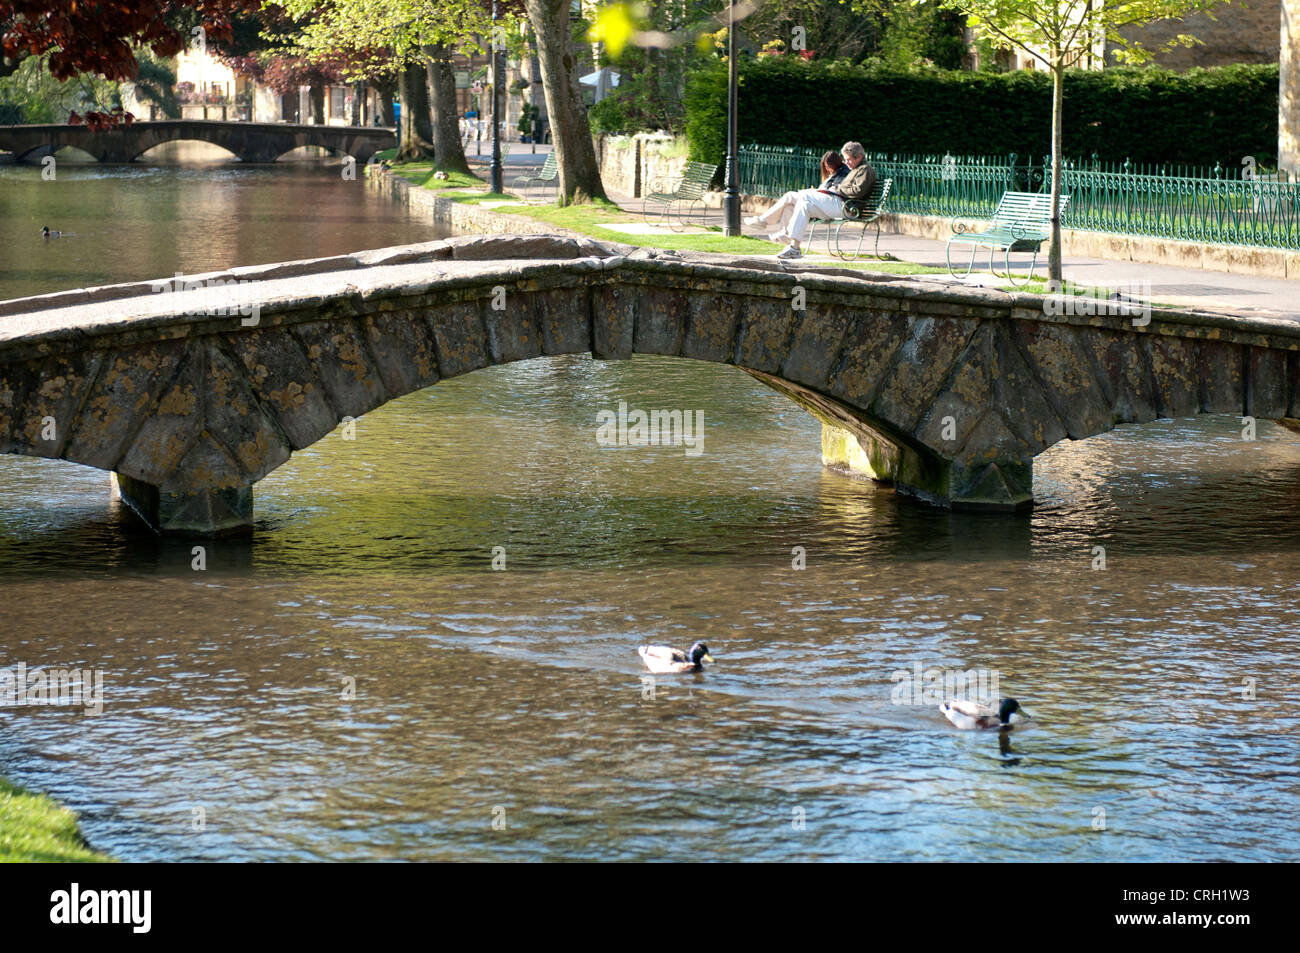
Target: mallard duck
{"type": "Point", "coordinates": [661, 658]}
{"type": "Point", "coordinates": [46, 233]}
{"type": "Point", "coordinates": [966, 714]}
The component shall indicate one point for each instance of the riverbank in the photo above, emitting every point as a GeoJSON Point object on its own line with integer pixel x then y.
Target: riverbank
{"type": "Point", "coordinates": [36, 829]}
{"type": "Point", "coordinates": [1165, 284]}
{"type": "Point", "coordinates": [463, 202]}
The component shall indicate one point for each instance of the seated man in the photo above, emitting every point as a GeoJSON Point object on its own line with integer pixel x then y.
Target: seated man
{"type": "Point", "coordinates": [829, 203]}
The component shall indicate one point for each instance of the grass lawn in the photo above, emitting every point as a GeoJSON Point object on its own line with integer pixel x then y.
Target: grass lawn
{"type": "Point", "coordinates": [594, 219]}
{"type": "Point", "coordinates": [34, 829]}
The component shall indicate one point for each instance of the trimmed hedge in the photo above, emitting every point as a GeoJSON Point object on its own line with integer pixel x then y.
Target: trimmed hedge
{"type": "Point", "coordinates": [1145, 114]}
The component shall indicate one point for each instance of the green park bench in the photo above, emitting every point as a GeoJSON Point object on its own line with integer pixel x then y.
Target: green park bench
{"type": "Point", "coordinates": [1022, 222]}
{"type": "Point", "coordinates": [549, 175]}
{"type": "Point", "coordinates": [686, 192]}
{"type": "Point", "coordinates": [865, 212]}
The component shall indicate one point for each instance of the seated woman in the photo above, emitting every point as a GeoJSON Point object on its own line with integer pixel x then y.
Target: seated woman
{"type": "Point", "coordinates": [833, 170]}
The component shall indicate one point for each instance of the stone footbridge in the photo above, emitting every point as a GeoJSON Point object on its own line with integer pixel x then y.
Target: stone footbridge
{"type": "Point", "coordinates": [250, 141]}
{"type": "Point", "coordinates": [191, 392]}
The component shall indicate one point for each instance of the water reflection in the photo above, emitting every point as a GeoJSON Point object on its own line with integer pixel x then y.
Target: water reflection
{"type": "Point", "coordinates": [185, 210]}
{"type": "Point", "coordinates": [521, 690]}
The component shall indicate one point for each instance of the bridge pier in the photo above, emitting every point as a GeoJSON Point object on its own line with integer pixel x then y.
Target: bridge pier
{"type": "Point", "coordinates": [985, 475]}
{"type": "Point", "coordinates": [218, 512]}
{"type": "Point", "coordinates": [1005, 485]}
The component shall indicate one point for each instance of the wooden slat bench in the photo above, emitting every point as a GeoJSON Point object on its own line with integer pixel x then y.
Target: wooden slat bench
{"type": "Point", "coordinates": [1022, 222]}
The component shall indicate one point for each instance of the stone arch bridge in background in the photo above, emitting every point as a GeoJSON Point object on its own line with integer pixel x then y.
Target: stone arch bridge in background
{"type": "Point", "coordinates": [192, 392]}
{"type": "Point", "coordinates": [250, 141]}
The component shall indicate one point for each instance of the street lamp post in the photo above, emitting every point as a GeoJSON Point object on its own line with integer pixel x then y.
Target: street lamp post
{"type": "Point", "coordinates": [496, 99]}
{"type": "Point", "coordinates": [731, 195]}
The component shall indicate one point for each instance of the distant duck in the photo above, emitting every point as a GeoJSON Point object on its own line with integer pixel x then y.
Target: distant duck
{"type": "Point", "coordinates": [46, 233]}
{"type": "Point", "coordinates": [662, 659]}
{"type": "Point", "coordinates": [966, 714]}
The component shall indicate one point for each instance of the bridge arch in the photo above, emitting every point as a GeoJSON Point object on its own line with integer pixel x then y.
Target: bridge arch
{"type": "Point", "coordinates": [251, 142]}
{"type": "Point", "coordinates": [948, 394]}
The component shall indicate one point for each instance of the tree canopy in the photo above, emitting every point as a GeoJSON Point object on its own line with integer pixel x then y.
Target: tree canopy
{"type": "Point", "coordinates": [100, 38]}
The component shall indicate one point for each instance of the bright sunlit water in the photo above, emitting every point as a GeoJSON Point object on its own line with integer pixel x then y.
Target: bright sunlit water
{"type": "Point", "coordinates": [517, 696]}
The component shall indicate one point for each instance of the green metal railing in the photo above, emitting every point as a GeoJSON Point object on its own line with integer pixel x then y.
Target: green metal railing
{"type": "Point", "coordinates": [1203, 205]}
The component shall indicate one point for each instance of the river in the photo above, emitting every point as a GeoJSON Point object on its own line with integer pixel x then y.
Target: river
{"type": "Point", "coordinates": [356, 681]}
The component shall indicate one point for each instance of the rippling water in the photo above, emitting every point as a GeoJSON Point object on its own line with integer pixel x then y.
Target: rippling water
{"type": "Point", "coordinates": [517, 696]}
{"type": "Point", "coordinates": [503, 714]}
{"type": "Point", "coordinates": [190, 214]}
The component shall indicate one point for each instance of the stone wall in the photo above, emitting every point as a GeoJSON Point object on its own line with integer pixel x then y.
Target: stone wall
{"type": "Point", "coordinates": [1239, 33]}
{"type": "Point", "coordinates": [630, 165]}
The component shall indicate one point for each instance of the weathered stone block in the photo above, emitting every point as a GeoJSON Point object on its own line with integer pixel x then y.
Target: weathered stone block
{"type": "Point", "coordinates": [285, 383]}
{"type": "Point", "coordinates": [1018, 396]}
{"type": "Point", "coordinates": [1124, 376]}
{"type": "Point", "coordinates": [661, 322]}
{"type": "Point", "coordinates": [203, 513]}
{"type": "Point", "coordinates": [711, 328]}
{"type": "Point", "coordinates": [870, 343]}
{"type": "Point", "coordinates": [613, 318]}
{"type": "Point", "coordinates": [1004, 485]}
{"type": "Point", "coordinates": [166, 435]}
{"type": "Point", "coordinates": [207, 466]}
{"type": "Point", "coordinates": [404, 350]}
{"type": "Point", "coordinates": [764, 338]}
{"type": "Point", "coordinates": [121, 399]}
{"type": "Point", "coordinates": [1223, 387]}
{"type": "Point", "coordinates": [816, 345]}
{"type": "Point", "coordinates": [513, 331]}
{"type": "Point", "coordinates": [461, 337]}
{"type": "Point", "coordinates": [920, 367]}
{"type": "Point", "coordinates": [39, 401]}
{"type": "Point", "coordinates": [342, 364]}
{"type": "Point", "coordinates": [1068, 381]}
{"type": "Point", "coordinates": [234, 416]}
{"type": "Point", "coordinates": [564, 315]}
{"type": "Point", "coordinates": [967, 398]}
{"type": "Point", "coordinates": [1173, 365]}
{"type": "Point", "coordinates": [1266, 390]}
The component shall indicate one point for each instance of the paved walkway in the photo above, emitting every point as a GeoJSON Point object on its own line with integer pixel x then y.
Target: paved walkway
{"type": "Point", "coordinates": [1182, 287]}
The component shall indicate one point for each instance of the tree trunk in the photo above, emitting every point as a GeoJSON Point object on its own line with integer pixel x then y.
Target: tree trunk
{"type": "Point", "coordinates": [1288, 99]}
{"type": "Point", "coordinates": [386, 88]}
{"type": "Point", "coordinates": [1058, 99]}
{"type": "Point", "coordinates": [317, 96]}
{"type": "Point", "coordinates": [447, 148]}
{"type": "Point", "coordinates": [357, 100]}
{"type": "Point", "coordinates": [413, 145]}
{"type": "Point", "coordinates": [570, 133]}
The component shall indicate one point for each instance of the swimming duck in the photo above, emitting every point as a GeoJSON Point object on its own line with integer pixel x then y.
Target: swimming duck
{"type": "Point", "coordinates": [46, 233]}
{"type": "Point", "coordinates": [661, 658]}
{"type": "Point", "coordinates": [966, 714]}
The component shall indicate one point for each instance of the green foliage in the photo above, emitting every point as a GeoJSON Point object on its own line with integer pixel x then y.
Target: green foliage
{"type": "Point", "coordinates": [527, 114]}
{"type": "Point", "coordinates": [155, 82]}
{"type": "Point", "coordinates": [609, 116]}
{"type": "Point", "coordinates": [32, 95]}
{"type": "Point", "coordinates": [1199, 117]}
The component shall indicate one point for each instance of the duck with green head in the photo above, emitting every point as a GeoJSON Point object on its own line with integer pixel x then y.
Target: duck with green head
{"type": "Point", "coordinates": [663, 659]}
{"type": "Point", "coordinates": [966, 714]}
